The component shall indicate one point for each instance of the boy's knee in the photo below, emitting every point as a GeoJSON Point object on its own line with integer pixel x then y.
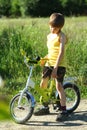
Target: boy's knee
{"type": "Point", "coordinates": [41, 85]}
{"type": "Point", "coordinates": [44, 83]}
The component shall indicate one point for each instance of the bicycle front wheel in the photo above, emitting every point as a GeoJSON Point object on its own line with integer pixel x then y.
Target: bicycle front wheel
{"type": "Point", "coordinates": [24, 111]}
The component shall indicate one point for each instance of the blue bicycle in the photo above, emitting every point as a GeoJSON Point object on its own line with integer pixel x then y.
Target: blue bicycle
{"type": "Point", "coordinates": [22, 105]}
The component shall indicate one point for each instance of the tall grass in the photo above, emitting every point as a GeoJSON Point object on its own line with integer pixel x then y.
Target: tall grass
{"type": "Point", "coordinates": [30, 34]}
{"type": "Point", "coordinates": [76, 48]}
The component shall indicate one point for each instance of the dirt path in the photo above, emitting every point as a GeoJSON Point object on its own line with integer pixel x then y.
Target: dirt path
{"type": "Point", "coordinates": [76, 121]}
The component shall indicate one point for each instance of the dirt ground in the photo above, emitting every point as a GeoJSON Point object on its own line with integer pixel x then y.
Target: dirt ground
{"type": "Point", "coordinates": [76, 121]}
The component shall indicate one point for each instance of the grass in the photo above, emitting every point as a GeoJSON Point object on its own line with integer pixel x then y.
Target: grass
{"type": "Point", "coordinates": [30, 35]}
{"type": "Point", "coordinates": [4, 110]}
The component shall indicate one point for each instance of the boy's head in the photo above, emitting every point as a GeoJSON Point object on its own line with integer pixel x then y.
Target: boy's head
{"type": "Point", "coordinates": [56, 20]}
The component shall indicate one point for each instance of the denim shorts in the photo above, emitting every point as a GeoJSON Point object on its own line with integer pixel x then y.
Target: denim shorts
{"type": "Point", "coordinates": [47, 71]}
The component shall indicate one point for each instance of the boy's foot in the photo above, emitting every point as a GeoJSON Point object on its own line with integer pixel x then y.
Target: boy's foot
{"type": "Point", "coordinates": [63, 116]}
{"type": "Point", "coordinates": [42, 111]}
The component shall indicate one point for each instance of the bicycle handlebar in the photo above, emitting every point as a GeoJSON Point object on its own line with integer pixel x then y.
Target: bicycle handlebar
{"type": "Point", "coordinates": [35, 61]}
{"type": "Point", "coordinates": [32, 61]}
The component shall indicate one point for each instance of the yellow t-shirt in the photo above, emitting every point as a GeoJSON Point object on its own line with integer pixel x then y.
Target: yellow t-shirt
{"type": "Point", "coordinates": [53, 44]}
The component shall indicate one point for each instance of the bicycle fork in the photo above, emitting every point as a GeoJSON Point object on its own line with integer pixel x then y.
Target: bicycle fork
{"type": "Point", "coordinates": [25, 90]}
{"type": "Point", "coordinates": [28, 95]}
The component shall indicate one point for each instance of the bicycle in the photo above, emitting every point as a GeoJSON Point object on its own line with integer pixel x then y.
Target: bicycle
{"type": "Point", "coordinates": [22, 105]}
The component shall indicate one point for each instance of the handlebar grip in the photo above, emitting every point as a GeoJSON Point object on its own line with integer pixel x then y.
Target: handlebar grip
{"type": "Point", "coordinates": [34, 62]}
{"type": "Point", "coordinates": [38, 58]}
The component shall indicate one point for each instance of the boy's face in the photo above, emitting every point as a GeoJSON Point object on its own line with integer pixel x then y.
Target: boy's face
{"type": "Point", "coordinates": [54, 30]}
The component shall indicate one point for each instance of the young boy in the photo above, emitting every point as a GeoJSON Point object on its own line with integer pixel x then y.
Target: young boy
{"type": "Point", "coordinates": [56, 41]}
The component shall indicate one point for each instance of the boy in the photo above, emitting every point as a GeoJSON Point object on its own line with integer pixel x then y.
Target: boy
{"type": "Point", "coordinates": [56, 41]}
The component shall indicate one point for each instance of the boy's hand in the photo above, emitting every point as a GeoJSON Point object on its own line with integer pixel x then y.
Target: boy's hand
{"type": "Point", "coordinates": [42, 62]}
{"type": "Point", "coordinates": [54, 73]}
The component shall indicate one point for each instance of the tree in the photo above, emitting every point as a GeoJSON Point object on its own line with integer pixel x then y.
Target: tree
{"type": "Point", "coordinates": [5, 6]}
{"type": "Point", "coordinates": [74, 7]}
{"type": "Point", "coordinates": [41, 8]}
{"type": "Point", "coordinates": [18, 8]}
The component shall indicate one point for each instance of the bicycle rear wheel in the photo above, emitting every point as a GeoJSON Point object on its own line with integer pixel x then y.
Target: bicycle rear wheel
{"type": "Point", "coordinates": [72, 96]}
{"type": "Point", "coordinates": [22, 113]}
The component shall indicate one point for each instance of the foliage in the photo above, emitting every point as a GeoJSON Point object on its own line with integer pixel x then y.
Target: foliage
{"type": "Point", "coordinates": [77, 7]}
{"type": "Point", "coordinates": [41, 8]}
{"type": "Point", "coordinates": [76, 50]}
{"type": "Point", "coordinates": [4, 108]}
{"type": "Point", "coordinates": [30, 35]}
{"type": "Point", "coordinates": [17, 8]}
{"type": "Point", "coordinates": [12, 39]}
{"type": "Point", "coordinates": [5, 6]}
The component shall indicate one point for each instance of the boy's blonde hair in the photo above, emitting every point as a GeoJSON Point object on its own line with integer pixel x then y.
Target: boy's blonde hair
{"type": "Point", "coordinates": [57, 20]}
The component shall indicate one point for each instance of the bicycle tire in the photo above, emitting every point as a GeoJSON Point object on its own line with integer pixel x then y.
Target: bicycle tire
{"type": "Point", "coordinates": [20, 114]}
{"type": "Point", "coordinates": [72, 96]}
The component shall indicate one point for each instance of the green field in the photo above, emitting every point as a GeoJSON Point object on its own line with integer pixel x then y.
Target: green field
{"type": "Point", "coordinates": [30, 34]}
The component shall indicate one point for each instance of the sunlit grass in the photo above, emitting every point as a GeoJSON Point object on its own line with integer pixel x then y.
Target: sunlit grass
{"type": "Point", "coordinates": [4, 110]}
{"type": "Point", "coordinates": [30, 34]}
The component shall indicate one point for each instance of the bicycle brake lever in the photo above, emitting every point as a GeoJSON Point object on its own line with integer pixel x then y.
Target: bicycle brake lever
{"type": "Point", "coordinates": [38, 58]}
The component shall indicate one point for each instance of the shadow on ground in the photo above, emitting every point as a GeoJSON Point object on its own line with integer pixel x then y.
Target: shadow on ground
{"type": "Point", "coordinates": [75, 119]}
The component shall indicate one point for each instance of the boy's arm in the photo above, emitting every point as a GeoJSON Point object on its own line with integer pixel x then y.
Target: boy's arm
{"type": "Point", "coordinates": [61, 51]}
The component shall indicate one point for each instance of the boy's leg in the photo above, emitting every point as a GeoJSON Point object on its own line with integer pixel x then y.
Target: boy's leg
{"type": "Point", "coordinates": [44, 110]}
{"type": "Point", "coordinates": [62, 116]}
{"type": "Point", "coordinates": [62, 96]}
{"type": "Point", "coordinates": [44, 83]}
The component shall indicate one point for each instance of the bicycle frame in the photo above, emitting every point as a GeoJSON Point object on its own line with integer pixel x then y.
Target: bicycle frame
{"type": "Point", "coordinates": [46, 94]}
{"type": "Point", "coordinates": [22, 104]}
